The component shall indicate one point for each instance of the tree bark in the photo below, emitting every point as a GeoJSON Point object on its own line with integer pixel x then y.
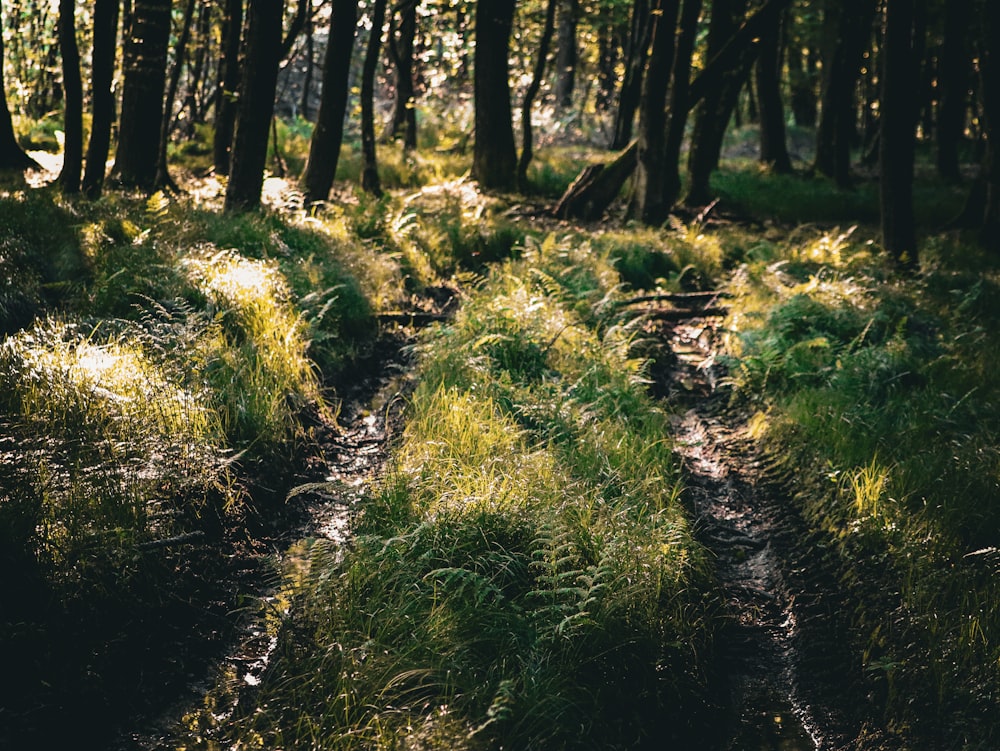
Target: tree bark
{"type": "Point", "coordinates": [990, 72]}
{"type": "Point", "coordinates": [369, 173]}
{"type": "Point", "coordinates": [494, 158]}
{"type": "Point", "coordinates": [307, 77]}
{"type": "Point", "coordinates": [850, 26]}
{"type": "Point", "coordinates": [324, 149]}
{"type": "Point", "coordinates": [773, 146]}
{"type": "Point", "coordinates": [404, 112]}
{"type": "Point", "coordinates": [142, 94]}
{"type": "Point", "coordinates": [640, 34]}
{"type": "Point", "coordinates": [527, 143]}
{"type": "Point", "coordinates": [648, 198]}
{"type": "Point", "coordinates": [898, 122]}
{"type": "Point", "coordinates": [69, 177]}
{"type": "Point", "coordinates": [801, 79]}
{"type": "Point", "coordinates": [566, 54]}
{"type": "Point", "coordinates": [256, 105]}
{"type": "Point", "coordinates": [163, 179]}
{"type": "Point", "coordinates": [12, 156]}
{"type": "Point", "coordinates": [102, 97]}
{"type": "Point", "coordinates": [954, 83]}
{"type": "Point", "coordinates": [229, 81]}
{"type": "Point", "coordinates": [716, 109]}
{"type": "Point", "coordinates": [608, 45]}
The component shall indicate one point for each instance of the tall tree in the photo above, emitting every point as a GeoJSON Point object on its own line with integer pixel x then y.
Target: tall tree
{"type": "Point", "coordinates": [12, 156]}
{"type": "Point", "coordinates": [527, 137]}
{"type": "Point", "coordinates": [324, 149]}
{"type": "Point", "coordinates": [953, 81]}
{"type": "Point", "coordinates": [229, 81]}
{"type": "Point", "coordinates": [636, 52]}
{"type": "Point", "coordinates": [897, 144]}
{"type": "Point", "coordinates": [256, 105]}
{"type": "Point", "coordinates": [648, 200]}
{"type": "Point", "coordinates": [566, 55]}
{"type": "Point", "coordinates": [142, 93]}
{"type": "Point", "coordinates": [494, 155]}
{"type": "Point", "coordinates": [163, 179]}
{"type": "Point", "coordinates": [773, 146]}
{"type": "Point", "coordinates": [716, 109]}
{"type": "Point", "coordinates": [103, 56]}
{"type": "Point", "coordinates": [69, 177]}
{"type": "Point", "coordinates": [404, 111]}
{"type": "Point", "coordinates": [848, 26]}
{"type": "Point", "coordinates": [369, 171]}
{"type": "Point", "coordinates": [990, 72]}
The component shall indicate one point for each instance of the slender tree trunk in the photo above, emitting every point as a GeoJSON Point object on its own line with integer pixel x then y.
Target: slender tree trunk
{"type": "Point", "coordinates": [307, 77]}
{"type": "Point", "coordinates": [802, 82]}
{"type": "Point", "coordinates": [163, 179]}
{"type": "Point", "coordinates": [142, 95]}
{"type": "Point", "coordinates": [608, 44]}
{"type": "Point", "coordinates": [527, 147]}
{"type": "Point", "coordinates": [229, 81]}
{"type": "Point", "coordinates": [256, 105]}
{"type": "Point", "coordinates": [953, 80]}
{"type": "Point", "coordinates": [12, 156]}
{"type": "Point", "coordinates": [897, 144]}
{"type": "Point", "coordinates": [369, 172]}
{"type": "Point", "coordinates": [404, 113]}
{"type": "Point", "coordinates": [69, 178]}
{"type": "Point", "coordinates": [851, 26]}
{"type": "Point", "coordinates": [773, 147]}
{"type": "Point", "coordinates": [103, 100]}
{"type": "Point", "coordinates": [640, 34]}
{"type": "Point", "coordinates": [990, 72]}
{"type": "Point", "coordinates": [566, 55]}
{"type": "Point", "coordinates": [716, 109]}
{"type": "Point", "coordinates": [648, 200]}
{"type": "Point", "coordinates": [324, 150]}
{"type": "Point", "coordinates": [494, 158]}
{"type": "Point", "coordinates": [197, 75]}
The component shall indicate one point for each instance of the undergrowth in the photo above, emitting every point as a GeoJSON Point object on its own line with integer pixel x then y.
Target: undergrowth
{"type": "Point", "coordinates": [525, 576]}
{"type": "Point", "coordinates": [878, 394]}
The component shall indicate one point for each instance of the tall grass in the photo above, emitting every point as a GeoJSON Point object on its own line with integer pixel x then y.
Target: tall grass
{"type": "Point", "coordinates": [878, 395]}
{"type": "Point", "coordinates": [525, 576]}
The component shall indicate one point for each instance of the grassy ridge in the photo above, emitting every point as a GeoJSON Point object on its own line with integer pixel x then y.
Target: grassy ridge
{"type": "Point", "coordinates": [879, 394]}
{"type": "Point", "coordinates": [525, 577]}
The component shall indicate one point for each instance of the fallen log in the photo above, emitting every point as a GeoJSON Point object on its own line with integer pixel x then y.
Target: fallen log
{"type": "Point", "coordinates": [597, 186]}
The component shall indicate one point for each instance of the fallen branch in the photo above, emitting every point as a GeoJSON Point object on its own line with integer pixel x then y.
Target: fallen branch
{"type": "Point", "coordinates": [168, 542]}
{"type": "Point", "coordinates": [681, 298]}
{"type": "Point", "coordinates": [415, 318]}
{"type": "Point", "coordinates": [676, 315]}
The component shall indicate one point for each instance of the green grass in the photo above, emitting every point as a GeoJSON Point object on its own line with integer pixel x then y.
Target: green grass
{"type": "Point", "coordinates": [877, 394]}
{"type": "Point", "coordinates": [525, 576]}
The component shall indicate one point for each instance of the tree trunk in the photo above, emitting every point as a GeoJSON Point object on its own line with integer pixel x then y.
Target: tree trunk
{"type": "Point", "coordinates": [608, 44]}
{"type": "Point", "coordinates": [324, 149]}
{"type": "Point", "coordinates": [898, 122]}
{"type": "Point", "coordinates": [527, 147]}
{"type": "Point", "coordinates": [197, 74]}
{"type": "Point", "coordinates": [802, 82]}
{"type": "Point", "coordinates": [773, 147]}
{"type": "Point", "coordinates": [163, 179]}
{"type": "Point", "coordinates": [648, 199]}
{"type": "Point", "coordinates": [640, 34]}
{"type": "Point", "coordinates": [850, 27]}
{"type": "Point", "coordinates": [103, 99]}
{"type": "Point", "coordinates": [715, 111]}
{"type": "Point", "coordinates": [69, 177]}
{"type": "Point", "coordinates": [369, 172]}
{"type": "Point", "coordinates": [256, 105]}
{"type": "Point", "coordinates": [142, 95]}
{"type": "Point", "coordinates": [954, 84]}
{"type": "Point", "coordinates": [404, 112]}
{"type": "Point", "coordinates": [12, 156]}
{"type": "Point", "coordinates": [307, 77]}
{"type": "Point", "coordinates": [990, 72]}
{"type": "Point", "coordinates": [597, 186]}
{"type": "Point", "coordinates": [229, 81]}
{"type": "Point", "coordinates": [679, 104]}
{"type": "Point", "coordinates": [566, 55]}
{"type": "Point", "coordinates": [494, 158]}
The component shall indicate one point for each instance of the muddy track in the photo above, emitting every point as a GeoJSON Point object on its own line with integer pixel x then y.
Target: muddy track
{"type": "Point", "coordinates": [785, 679]}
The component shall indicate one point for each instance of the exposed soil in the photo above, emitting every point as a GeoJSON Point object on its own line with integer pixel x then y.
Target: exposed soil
{"type": "Point", "coordinates": [784, 678]}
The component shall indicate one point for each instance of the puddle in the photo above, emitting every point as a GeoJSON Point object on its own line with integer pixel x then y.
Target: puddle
{"type": "Point", "coordinates": [769, 724]}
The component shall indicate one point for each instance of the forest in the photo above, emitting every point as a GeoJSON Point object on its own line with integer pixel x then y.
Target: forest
{"type": "Point", "coordinates": [491, 374]}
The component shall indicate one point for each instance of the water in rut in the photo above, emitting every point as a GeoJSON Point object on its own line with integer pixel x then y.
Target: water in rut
{"type": "Point", "coordinates": [765, 698]}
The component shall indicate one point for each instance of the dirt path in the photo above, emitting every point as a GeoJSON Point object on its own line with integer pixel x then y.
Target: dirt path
{"type": "Point", "coordinates": [783, 676]}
